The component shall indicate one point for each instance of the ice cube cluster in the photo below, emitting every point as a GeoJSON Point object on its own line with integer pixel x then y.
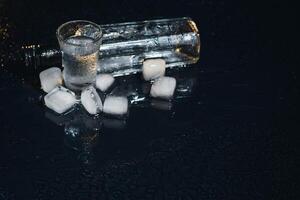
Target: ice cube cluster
{"type": "Point", "coordinates": [61, 99]}
{"type": "Point", "coordinates": [163, 86]}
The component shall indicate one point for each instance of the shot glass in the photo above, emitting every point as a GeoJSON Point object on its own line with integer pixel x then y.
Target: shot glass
{"type": "Point", "coordinates": [79, 42]}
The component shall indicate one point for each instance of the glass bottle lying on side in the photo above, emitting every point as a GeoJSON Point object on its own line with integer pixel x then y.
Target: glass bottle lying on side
{"type": "Point", "coordinates": [126, 45]}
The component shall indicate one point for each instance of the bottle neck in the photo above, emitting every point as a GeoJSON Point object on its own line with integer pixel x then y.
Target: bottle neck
{"type": "Point", "coordinates": [40, 56]}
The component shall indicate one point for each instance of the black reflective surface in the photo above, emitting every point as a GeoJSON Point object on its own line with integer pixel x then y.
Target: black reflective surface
{"type": "Point", "coordinates": [227, 138]}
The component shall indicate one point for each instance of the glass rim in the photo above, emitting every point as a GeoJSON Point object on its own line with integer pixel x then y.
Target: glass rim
{"type": "Point", "coordinates": [60, 37]}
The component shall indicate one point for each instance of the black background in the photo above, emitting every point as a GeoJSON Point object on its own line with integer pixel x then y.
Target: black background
{"type": "Point", "coordinates": [235, 138]}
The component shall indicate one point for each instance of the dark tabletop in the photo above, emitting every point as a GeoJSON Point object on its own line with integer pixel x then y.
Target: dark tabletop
{"type": "Point", "coordinates": [228, 139]}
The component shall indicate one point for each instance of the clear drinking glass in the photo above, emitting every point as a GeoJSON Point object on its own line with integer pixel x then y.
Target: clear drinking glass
{"type": "Point", "coordinates": [79, 42]}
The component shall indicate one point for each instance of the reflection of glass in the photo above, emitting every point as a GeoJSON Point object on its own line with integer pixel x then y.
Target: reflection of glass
{"type": "Point", "coordinates": [80, 42]}
{"type": "Point", "coordinates": [82, 138]}
{"type": "Point", "coordinates": [82, 130]}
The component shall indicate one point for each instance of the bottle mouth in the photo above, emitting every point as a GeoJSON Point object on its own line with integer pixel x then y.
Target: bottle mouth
{"type": "Point", "coordinates": [91, 31]}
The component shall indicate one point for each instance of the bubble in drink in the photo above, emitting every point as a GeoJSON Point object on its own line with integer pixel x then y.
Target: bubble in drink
{"type": "Point", "coordinates": [80, 62]}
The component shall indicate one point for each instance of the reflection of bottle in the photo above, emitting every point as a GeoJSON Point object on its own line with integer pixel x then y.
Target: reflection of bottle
{"type": "Point", "coordinates": [137, 91]}
{"type": "Point", "coordinates": [126, 45]}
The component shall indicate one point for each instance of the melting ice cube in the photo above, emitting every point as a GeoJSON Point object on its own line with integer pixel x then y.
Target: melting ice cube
{"type": "Point", "coordinates": [104, 81]}
{"type": "Point", "coordinates": [115, 105]}
{"type": "Point", "coordinates": [50, 78]}
{"type": "Point", "coordinates": [163, 87]}
{"type": "Point", "coordinates": [60, 99]}
{"type": "Point", "coordinates": [91, 100]}
{"type": "Point", "coordinates": [153, 69]}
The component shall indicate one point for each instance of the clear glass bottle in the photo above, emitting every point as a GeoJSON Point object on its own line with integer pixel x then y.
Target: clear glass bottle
{"type": "Point", "coordinates": [127, 45]}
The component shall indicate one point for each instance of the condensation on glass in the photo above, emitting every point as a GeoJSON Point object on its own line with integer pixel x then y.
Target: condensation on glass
{"type": "Point", "coordinates": [79, 42]}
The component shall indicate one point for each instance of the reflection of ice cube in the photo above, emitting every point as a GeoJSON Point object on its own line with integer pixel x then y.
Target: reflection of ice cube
{"type": "Point", "coordinates": [88, 31]}
{"type": "Point", "coordinates": [88, 122]}
{"type": "Point", "coordinates": [132, 88]}
{"type": "Point", "coordinates": [117, 124]}
{"type": "Point", "coordinates": [59, 120]}
{"type": "Point", "coordinates": [91, 100]}
{"type": "Point", "coordinates": [125, 89]}
{"type": "Point", "coordinates": [161, 104]}
{"type": "Point", "coordinates": [115, 105]}
{"type": "Point", "coordinates": [60, 99]}
{"type": "Point", "coordinates": [50, 78]}
{"type": "Point", "coordinates": [185, 87]}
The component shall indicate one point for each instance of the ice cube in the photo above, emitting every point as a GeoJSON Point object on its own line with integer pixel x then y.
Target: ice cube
{"type": "Point", "coordinates": [153, 68]}
{"type": "Point", "coordinates": [50, 78]}
{"type": "Point", "coordinates": [104, 81]}
{"type": "Point", "coordinates": [163, 87]}
{"type": "Point", "coordinates": [60, 99]}
{"type": "Point", "coordinates": [88, 31]}
{"type": "Point", "coordinates": [115, 105]}
{"type": "Point", "coordinates": [91, 101]}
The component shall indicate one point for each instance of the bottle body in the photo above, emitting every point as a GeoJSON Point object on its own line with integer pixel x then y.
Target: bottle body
{"type": "Point", "coordinates": [127, 45]}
